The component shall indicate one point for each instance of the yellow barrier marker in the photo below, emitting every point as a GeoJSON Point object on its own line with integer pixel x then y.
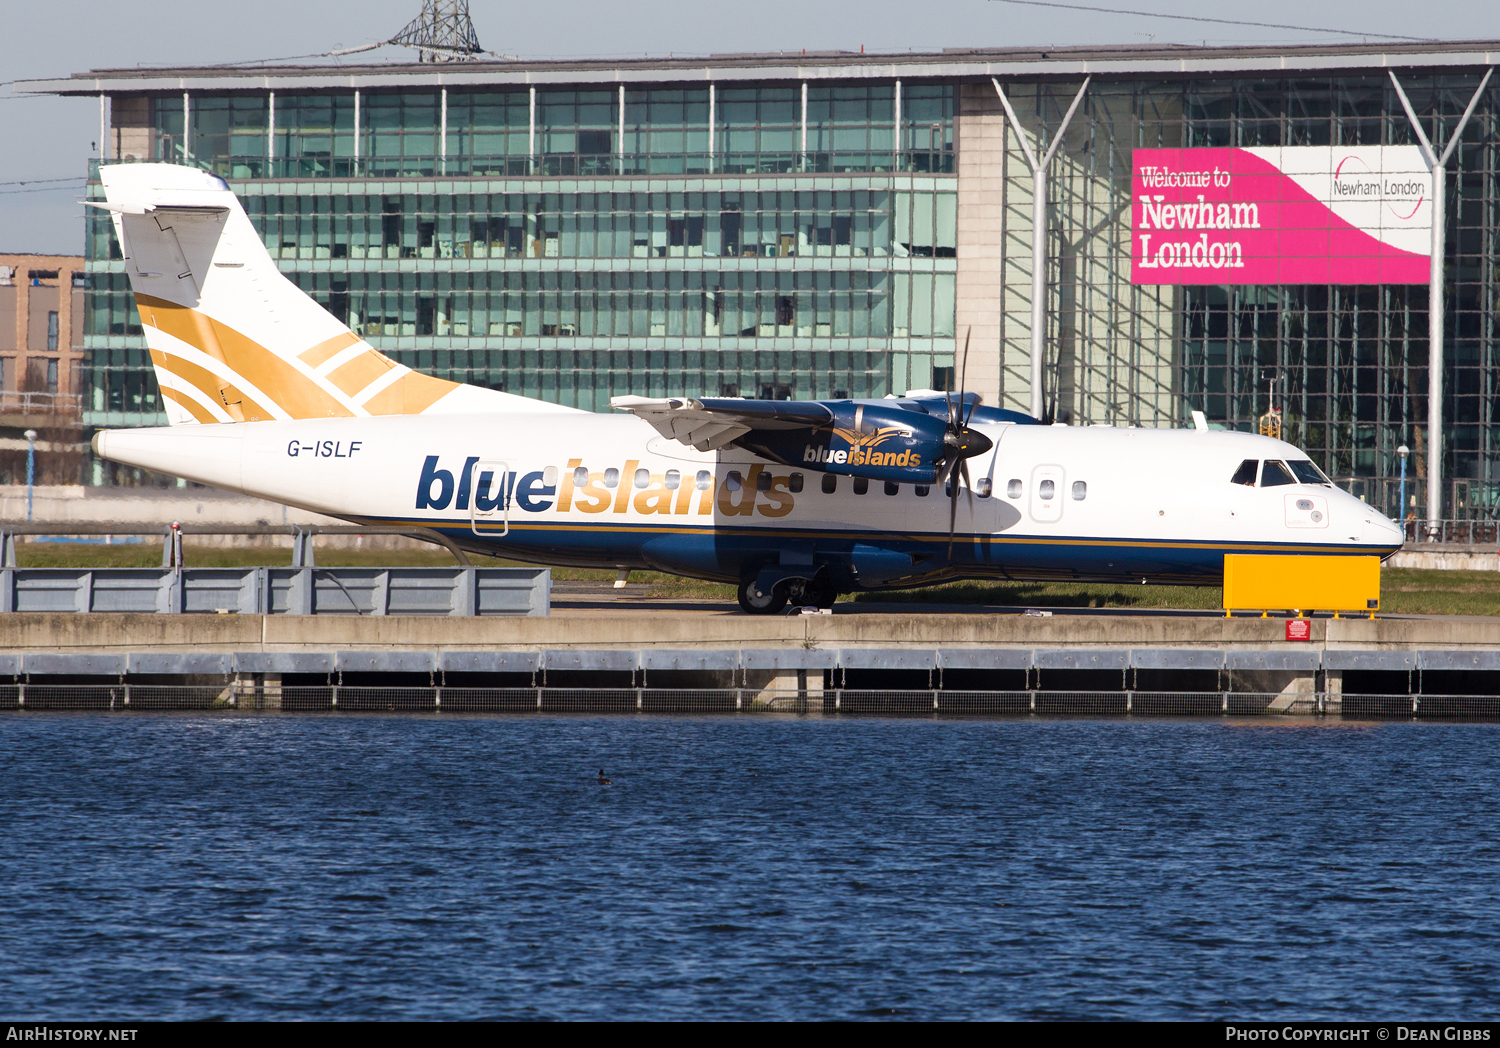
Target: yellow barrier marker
{"type": "Point", "coordinates": [1256, 582]}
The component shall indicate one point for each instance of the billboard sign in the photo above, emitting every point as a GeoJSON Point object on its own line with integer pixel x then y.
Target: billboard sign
{"type": "Point", "coordinates": [1281, 215]}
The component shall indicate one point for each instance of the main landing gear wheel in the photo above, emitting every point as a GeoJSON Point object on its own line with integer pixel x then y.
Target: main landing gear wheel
{"type": "Point", "coordinates": [756, 602]}
{"type": "Point", "coordinates": [817, 591]}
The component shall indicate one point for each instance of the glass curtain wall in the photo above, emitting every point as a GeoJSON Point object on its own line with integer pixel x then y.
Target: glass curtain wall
{"type": "Point", "coordinates": [1348, 365]}
{"type": "Point", "coordinates": [1111, 345]}
{"type": "Point", "coordinates": [314, 136]}
{"type": "Point", "coordinates": [756, 130]}
{"type": "Point", "coordinates": [724, 224]}
{"type": "Point", "coordinates": [489, 133]}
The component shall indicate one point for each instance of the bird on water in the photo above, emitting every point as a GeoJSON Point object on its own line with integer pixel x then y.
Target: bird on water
{"type": "Point", "coordinates": [602, 780]}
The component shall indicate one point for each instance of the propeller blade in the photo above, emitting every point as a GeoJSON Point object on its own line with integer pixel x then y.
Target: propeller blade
{"type": "Point", "coordinates": [945, 469]}
{"type": "Point", "coordinates": [952, 516]}
{"type": "Point", "coordinates": [989, 475]}
{"type": "Point", "coordinates": [963, 379]}
{"type": "Point", "coordinates": [963, 469]}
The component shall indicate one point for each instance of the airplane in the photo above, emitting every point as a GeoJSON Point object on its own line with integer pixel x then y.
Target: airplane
{"type": "Point", "coordinates": [268, 394]}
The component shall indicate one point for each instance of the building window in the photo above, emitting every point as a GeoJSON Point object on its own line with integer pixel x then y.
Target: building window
{"type": "Point", "coordinates": [314, 136]}
{"type": "Point", "coordinates": [52, 331]}
{"type": "Point", "coordinates": [399, 133]}
{"type": "Point", "coordinates": [666, 131]}
{"type": "Point", "coordinates": [489, 133]}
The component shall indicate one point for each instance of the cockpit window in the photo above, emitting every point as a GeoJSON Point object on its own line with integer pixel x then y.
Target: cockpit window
{"type": "Point", "coordinates": [1307, 473]}
{"type": "Point", "coordinates": [1275, 474]}
{"type": "Point", "coordinates": [1246, 473]}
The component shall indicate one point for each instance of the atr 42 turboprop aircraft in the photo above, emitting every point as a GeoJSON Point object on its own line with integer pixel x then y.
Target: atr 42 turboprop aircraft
{"type": "Point", "coordinates": [270, 395]}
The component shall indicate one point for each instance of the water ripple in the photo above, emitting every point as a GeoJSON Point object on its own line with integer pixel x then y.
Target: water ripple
{"type": "Point", "coordinates": [448, 868]}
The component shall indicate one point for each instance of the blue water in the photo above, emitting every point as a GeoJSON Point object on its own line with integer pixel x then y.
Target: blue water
{"type": "Point", "coordinates": [189, 867]}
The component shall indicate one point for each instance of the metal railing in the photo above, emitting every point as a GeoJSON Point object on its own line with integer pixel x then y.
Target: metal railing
{"type": "Point", "coordinates": [253, 694]}
{"type": "Point", "coordinates": [278, 591]}
{"type": "Point", "coordinates": [571, 165]}
{"type": "Point", "coordinates": [1459, 532]}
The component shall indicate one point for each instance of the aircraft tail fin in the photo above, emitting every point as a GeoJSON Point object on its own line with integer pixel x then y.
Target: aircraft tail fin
{"type": "Point", "coordinates": [231, 338]}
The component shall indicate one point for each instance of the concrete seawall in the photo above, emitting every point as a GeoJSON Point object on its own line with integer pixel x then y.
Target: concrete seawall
{"type": "Point", "coordinates": [1446, 557]}
{"type": "Point", "coordinates": [644, 629]}
{"type": "Point", "coordinates": [636, 630]}
{"type": "Point", "coordinates": [709, 660]}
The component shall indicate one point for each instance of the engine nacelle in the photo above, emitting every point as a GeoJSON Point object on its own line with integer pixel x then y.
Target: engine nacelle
{"type": "Point", "coordinates": [878, 441]}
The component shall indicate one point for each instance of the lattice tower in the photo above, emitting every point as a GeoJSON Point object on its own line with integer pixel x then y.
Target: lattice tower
{"type": "Point", "coordinates": [443, 32]}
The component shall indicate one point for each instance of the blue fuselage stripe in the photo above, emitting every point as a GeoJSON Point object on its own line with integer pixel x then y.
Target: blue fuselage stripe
{"type": "Point", "coordinates": [726, 553]}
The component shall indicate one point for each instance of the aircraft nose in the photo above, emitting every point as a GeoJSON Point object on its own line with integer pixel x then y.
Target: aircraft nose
{"type": "Point", "coordinates": [1381, 530]}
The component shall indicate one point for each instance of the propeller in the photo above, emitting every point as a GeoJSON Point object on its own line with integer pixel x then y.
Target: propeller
{"type": "Point", "coordinates": [960, 443]}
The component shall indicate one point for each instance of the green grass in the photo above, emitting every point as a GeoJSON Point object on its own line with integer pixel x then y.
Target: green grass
{"type": "Point", "coordinates": [1408, 591]}
{"type": "Point", "coordinates": [1054, 595]}
{"type": "Point", "coordinates": [1404, 591]}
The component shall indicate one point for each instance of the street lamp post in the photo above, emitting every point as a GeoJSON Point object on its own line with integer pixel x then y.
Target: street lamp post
{"type": "Point", "coordinates": [1403, 451]}
{"type": "Point", "coordinates": [30, 468]}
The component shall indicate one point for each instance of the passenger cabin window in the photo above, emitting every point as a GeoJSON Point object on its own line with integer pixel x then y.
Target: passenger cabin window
{"type": "Point", "coordinates": [921, 490]}
{"type": "Point", "coordinates": [1246, 473]}
{"type": "Point", "coordinates": [1080, 491]}
{"type": "Point", "coordinates": [861, 485]}
{"type": "Point", "coordinates": [733, 481]}
{"type": "Point", "coordinates": [611, 478]}
{"type": "Point", "coordinates": [1307, 473]}
{"type": "Point", "coordinates": [673, 480]}
{"type": "Point", "coordinates": [891, 487]}
{"type": "Point", "coordinates": [794, 483]}
{"type": "Point", "coordinates": [642, 478]}
{"type": "Point", "coordinates": [1046, 490]}
{"type": "Point", "coordinates": [704, 480]}
{"type": "Point", "coordinates": [581, 477]}
{"type": "Point", "coordinates": [1275, 474]}
{"type": "Point", "coordinates": [984, 486]}
{"type": "Point", "coordinates": [830, 483]}
{"type": "Point", "coordinates": [1013, 489]}
{"type": "Point", "coordinates": [763, 481]}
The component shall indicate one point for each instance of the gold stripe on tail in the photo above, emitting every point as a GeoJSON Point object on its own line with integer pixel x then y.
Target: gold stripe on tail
{"type": "Point", "coordinates": [327, 349]}
{"type": "Point", "coordinates": [197, 410]}
{"type": "Point", "coordinates": [411, 394]}
{"type": "Point", "coordinates": [295, 393]}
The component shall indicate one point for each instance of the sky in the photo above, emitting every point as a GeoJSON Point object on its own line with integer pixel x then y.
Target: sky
{"type": "Point", "coordinates": [52, 138]}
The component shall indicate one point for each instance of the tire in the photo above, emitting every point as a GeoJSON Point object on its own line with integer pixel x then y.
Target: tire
{"type": "Point", "coordinates": [820, 591]}
{"type": "Point", "coordinates": [753, 602]}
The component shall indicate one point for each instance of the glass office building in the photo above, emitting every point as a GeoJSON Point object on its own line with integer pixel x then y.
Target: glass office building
{"type": "Point", "coordinates": [830, 225]}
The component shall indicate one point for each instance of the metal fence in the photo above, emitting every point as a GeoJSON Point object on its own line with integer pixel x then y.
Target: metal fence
{"type": "Point", "coordinates": [258, 696]}
{"type": "Point", "coordinates": [279, 591]}
{"type": "Point", "coordinates": [1457, 532]}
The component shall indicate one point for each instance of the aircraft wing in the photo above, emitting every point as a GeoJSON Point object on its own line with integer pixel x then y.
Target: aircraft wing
{"type": "Point", "coordinates": [710, 424]}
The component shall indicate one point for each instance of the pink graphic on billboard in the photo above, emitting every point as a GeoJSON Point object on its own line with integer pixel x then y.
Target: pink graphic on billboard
{"type": "Point", "coordinates": [1280, 215]}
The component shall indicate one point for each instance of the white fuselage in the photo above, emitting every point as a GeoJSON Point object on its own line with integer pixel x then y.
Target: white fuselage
{"type": "Point", "coordinates": [609, 491]}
